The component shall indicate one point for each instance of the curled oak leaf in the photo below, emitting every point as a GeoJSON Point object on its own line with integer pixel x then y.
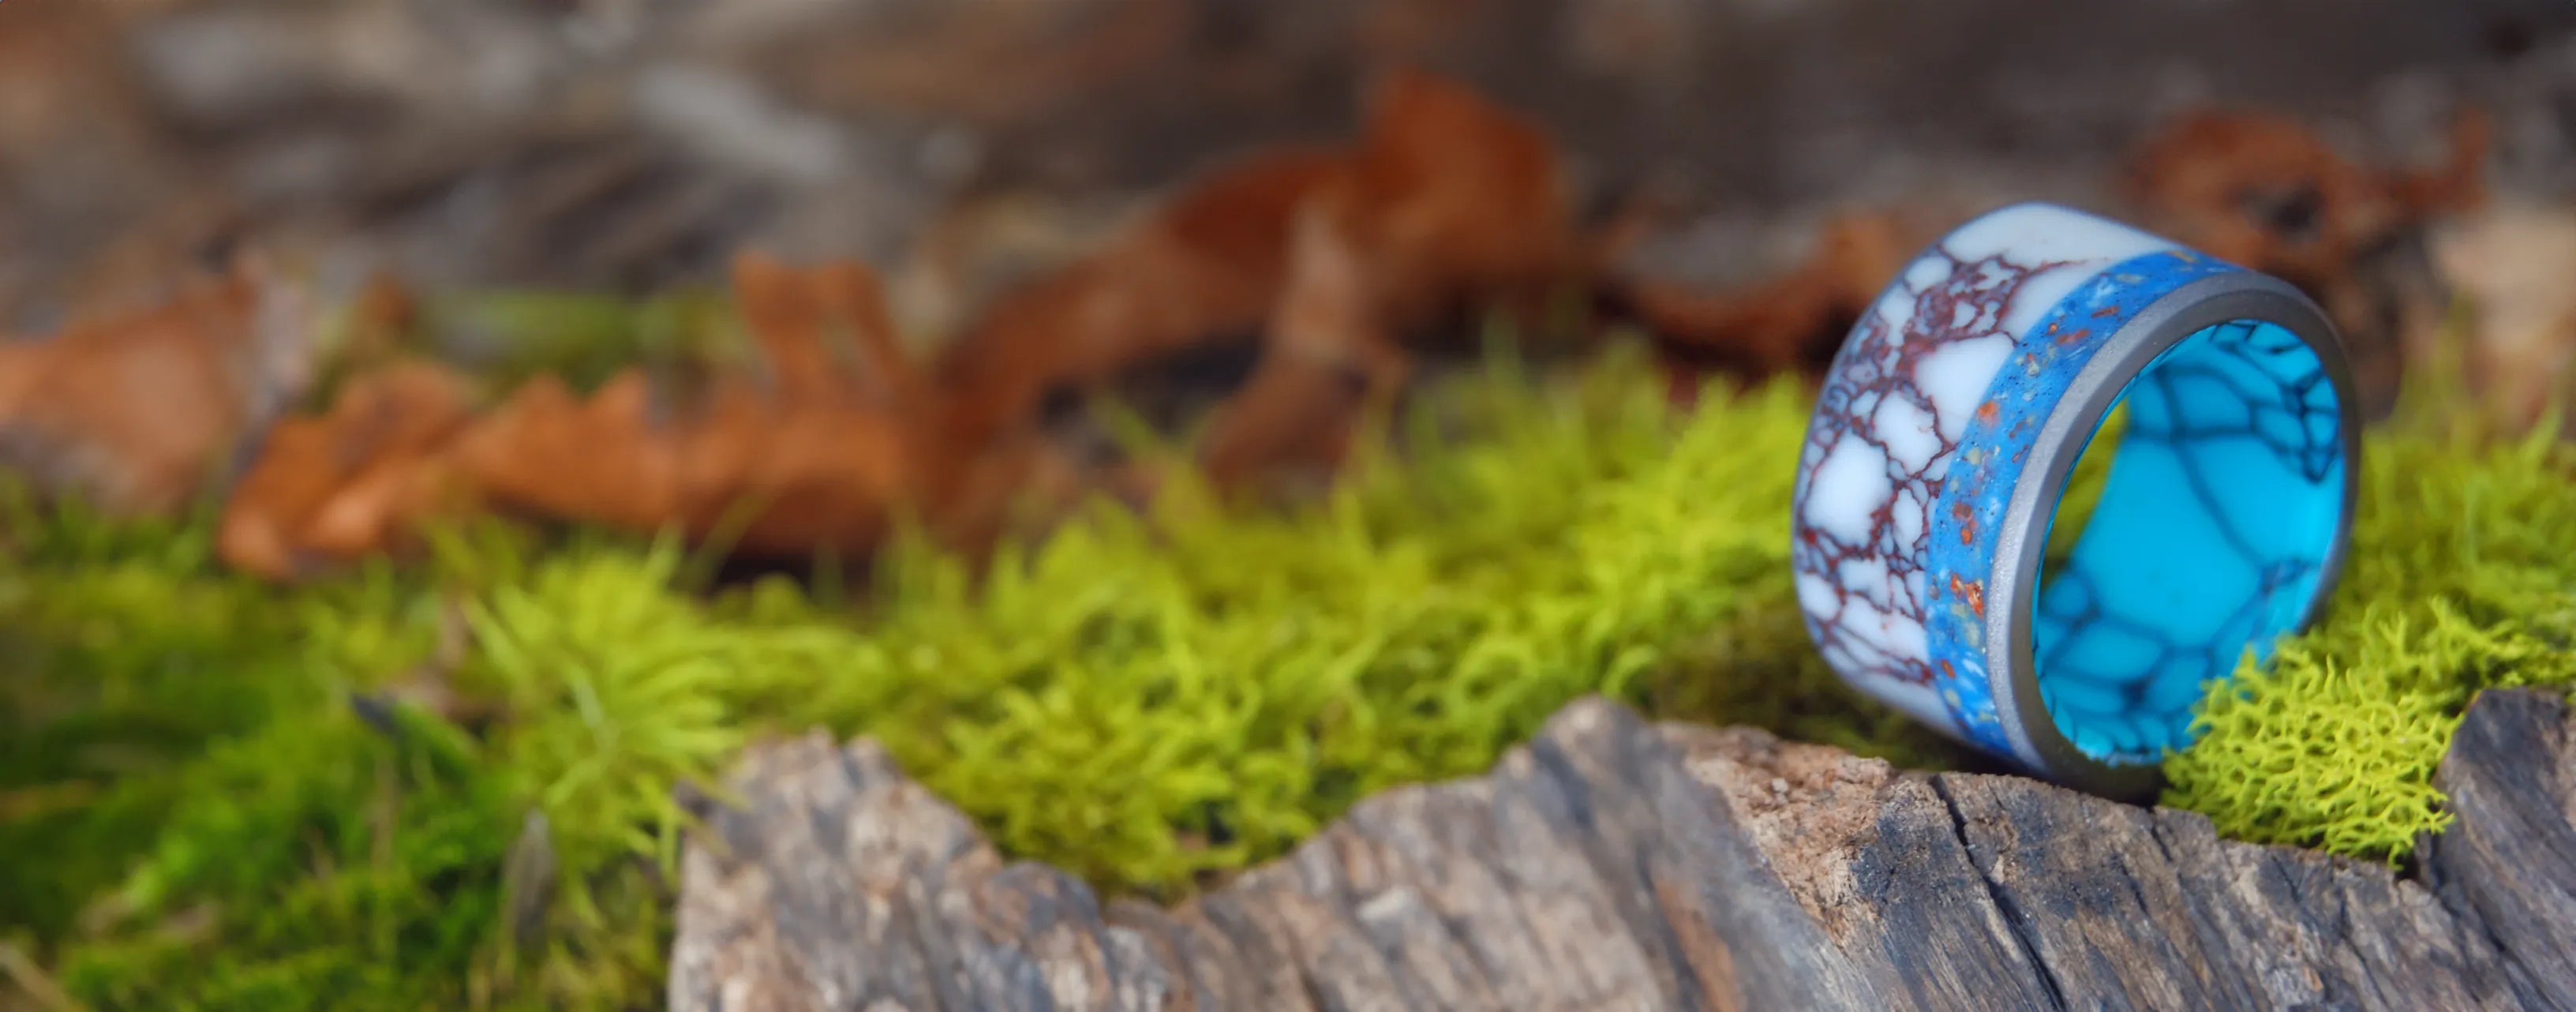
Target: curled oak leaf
{"type": "Point", "coordinates": [826, 463]}
{"type": "Point", "coordinates": [1456, 201]}
{"type": "Point", "coordinates": [784, 479]}
{"type": "Point", "coordinates": [2267, 192]}
{"type": "Point", "coordinates": [605, 458]}
{"type": "Point", "coordinates": [1331, 357]}
{"type": "Point", "coordinates": [824, 332]}
{"type": "Point", "coordinates": [1449, 204]}
{"type": "Point", "coordinates": [1791, 321]}
{"type": "Point", "coordinates": [819, 459]}
{"type": "Point", "coordinates": [2259, 190]}
{"type": "Point", "coordinates": [1208, 266]}
{"type": "Point", "coordinates": [1021, 483]}
{"type": "Point", "coordinates": [137, 412]}
{"type": "Point", "coordinates": [777, 308]}
{"type": "Point", "coordinates": [1292, 425]}
{"type": "Point", "coordinates": [2459, 185]}
{"type": "Point", "coordinates": [357, 479]}
{"type": "Point", "coordinates": [1326, 261]}
{"type": "Point", "coordinates": [852, 303]}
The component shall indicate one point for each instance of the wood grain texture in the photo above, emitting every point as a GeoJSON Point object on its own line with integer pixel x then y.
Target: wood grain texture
{"type": "Point", "coordinates": [1614, 865]}
{"type": "Point", "coordinates": [2508, 865]}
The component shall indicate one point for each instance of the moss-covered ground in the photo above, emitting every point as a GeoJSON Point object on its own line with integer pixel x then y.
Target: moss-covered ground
{"type": "Point", "coordinates": [449, 785]}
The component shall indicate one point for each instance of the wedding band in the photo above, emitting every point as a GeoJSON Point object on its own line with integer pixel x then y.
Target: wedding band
{"type": "Point", "coordinates": [1945, 434]}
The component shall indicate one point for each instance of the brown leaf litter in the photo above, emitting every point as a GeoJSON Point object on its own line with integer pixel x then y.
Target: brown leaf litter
{"type": "Point", "coordinates": [356, 479]}
{"type": "Point", "coordinates": [138, 411]}
{"type": "Point", "coordinates": [1448, 203]}
{"type": "Point", "coordinates": [1793, 321]}
{"type": "Point", "coordinates": [815, 455]}
{"type": "Point", "coordinates": [1324, 261]}
{"type": "Point", "coordinates": [1207, 267]}
{"type": "Point", "coordinates": [1327, 267]}
{"type": "Point", "coordinates": [2268, 193]}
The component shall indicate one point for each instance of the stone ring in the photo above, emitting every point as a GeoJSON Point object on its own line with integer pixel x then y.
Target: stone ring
{"type": "Point", "coordinates": [1947, 430]}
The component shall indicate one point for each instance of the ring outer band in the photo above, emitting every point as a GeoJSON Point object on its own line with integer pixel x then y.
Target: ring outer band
{"type": "Point", "coordinates": [2012, 671]}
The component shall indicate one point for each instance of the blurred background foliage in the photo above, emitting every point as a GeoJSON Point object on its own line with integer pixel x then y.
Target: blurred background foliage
{"type": "Point", "coordinates": [436, 436]}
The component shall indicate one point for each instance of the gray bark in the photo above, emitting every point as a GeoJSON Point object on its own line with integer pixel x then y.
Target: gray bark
{"type": "Point", "coordinates": [1614, 865]}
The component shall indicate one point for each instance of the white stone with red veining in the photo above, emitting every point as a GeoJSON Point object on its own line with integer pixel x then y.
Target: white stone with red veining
{"type": "Point", "coordinates": [1909, 378]}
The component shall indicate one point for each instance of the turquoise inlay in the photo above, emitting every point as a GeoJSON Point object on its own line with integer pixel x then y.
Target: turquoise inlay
{"type": "Point", "coordinates": [2208, 540]}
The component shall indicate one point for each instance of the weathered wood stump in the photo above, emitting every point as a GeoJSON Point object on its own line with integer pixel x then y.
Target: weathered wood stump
{"type": "Point", "coordinates": [1613, 865]}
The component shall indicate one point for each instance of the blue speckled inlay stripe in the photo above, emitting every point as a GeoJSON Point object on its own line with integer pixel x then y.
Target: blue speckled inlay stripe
{"type": "Point", "coordinates": [1997, 441]}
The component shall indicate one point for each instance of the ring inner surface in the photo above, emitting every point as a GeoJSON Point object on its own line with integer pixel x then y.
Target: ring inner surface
{"type": "Point", "coordinates": [2208, 542]}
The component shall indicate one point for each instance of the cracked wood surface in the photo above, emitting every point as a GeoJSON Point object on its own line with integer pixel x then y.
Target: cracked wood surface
{"type": "Point", "coordinates": [2509, 863]}
{"type": "Point", "coordinates": [1614, 865]}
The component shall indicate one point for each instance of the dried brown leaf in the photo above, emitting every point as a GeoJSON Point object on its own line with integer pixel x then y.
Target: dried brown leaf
{"type": "Point", "coordinates": [604, 458]}
{"type": "Point", "coordinates": [1789, 322]}
{"type": "Point", "coordinates": [355, 480]}
{"type": "Point", "coordinates": [1447, 202]}
{"type": "Point", "coordinates": [1207, 267]}
{"type": "Point", "coordinates": [136, 412]}
{"type": "Point", "coordinates": [824, 331]}
{"type": "Point", "coordinates": [2266, 192]}
{"type": "Point", "coordinates": [1450, 203]}
{"type": "Point", "coordinates": [820, 458]}
{"type": "Point", "coordinates": [810, 477]}
{"type": "Point", "coordinates": [1455, 199]}
{"type": "Point", "coordinates": [1328, 259]}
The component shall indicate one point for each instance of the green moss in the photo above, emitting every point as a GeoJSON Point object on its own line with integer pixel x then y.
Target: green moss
{"type": "Point", "coordinates": [451, 787]}
{"type": "Point", "coordinates": [2462, 557]}
{"type": "Point", "coordinates": [508, 337]}
{"type": "Point", "coordinates": [502, 338]}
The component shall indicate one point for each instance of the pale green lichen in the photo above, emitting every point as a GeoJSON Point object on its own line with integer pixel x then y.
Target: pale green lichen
{"type": "Point", "coordinates": [2462, 576]}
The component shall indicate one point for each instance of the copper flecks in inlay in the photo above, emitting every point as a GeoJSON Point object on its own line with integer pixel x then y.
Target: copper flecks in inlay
{"type": "Point", "coordinates": [1971, 591]}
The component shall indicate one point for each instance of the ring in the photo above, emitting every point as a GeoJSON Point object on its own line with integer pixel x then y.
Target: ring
{"type": "Point", "coordinates": [1944, 437]}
